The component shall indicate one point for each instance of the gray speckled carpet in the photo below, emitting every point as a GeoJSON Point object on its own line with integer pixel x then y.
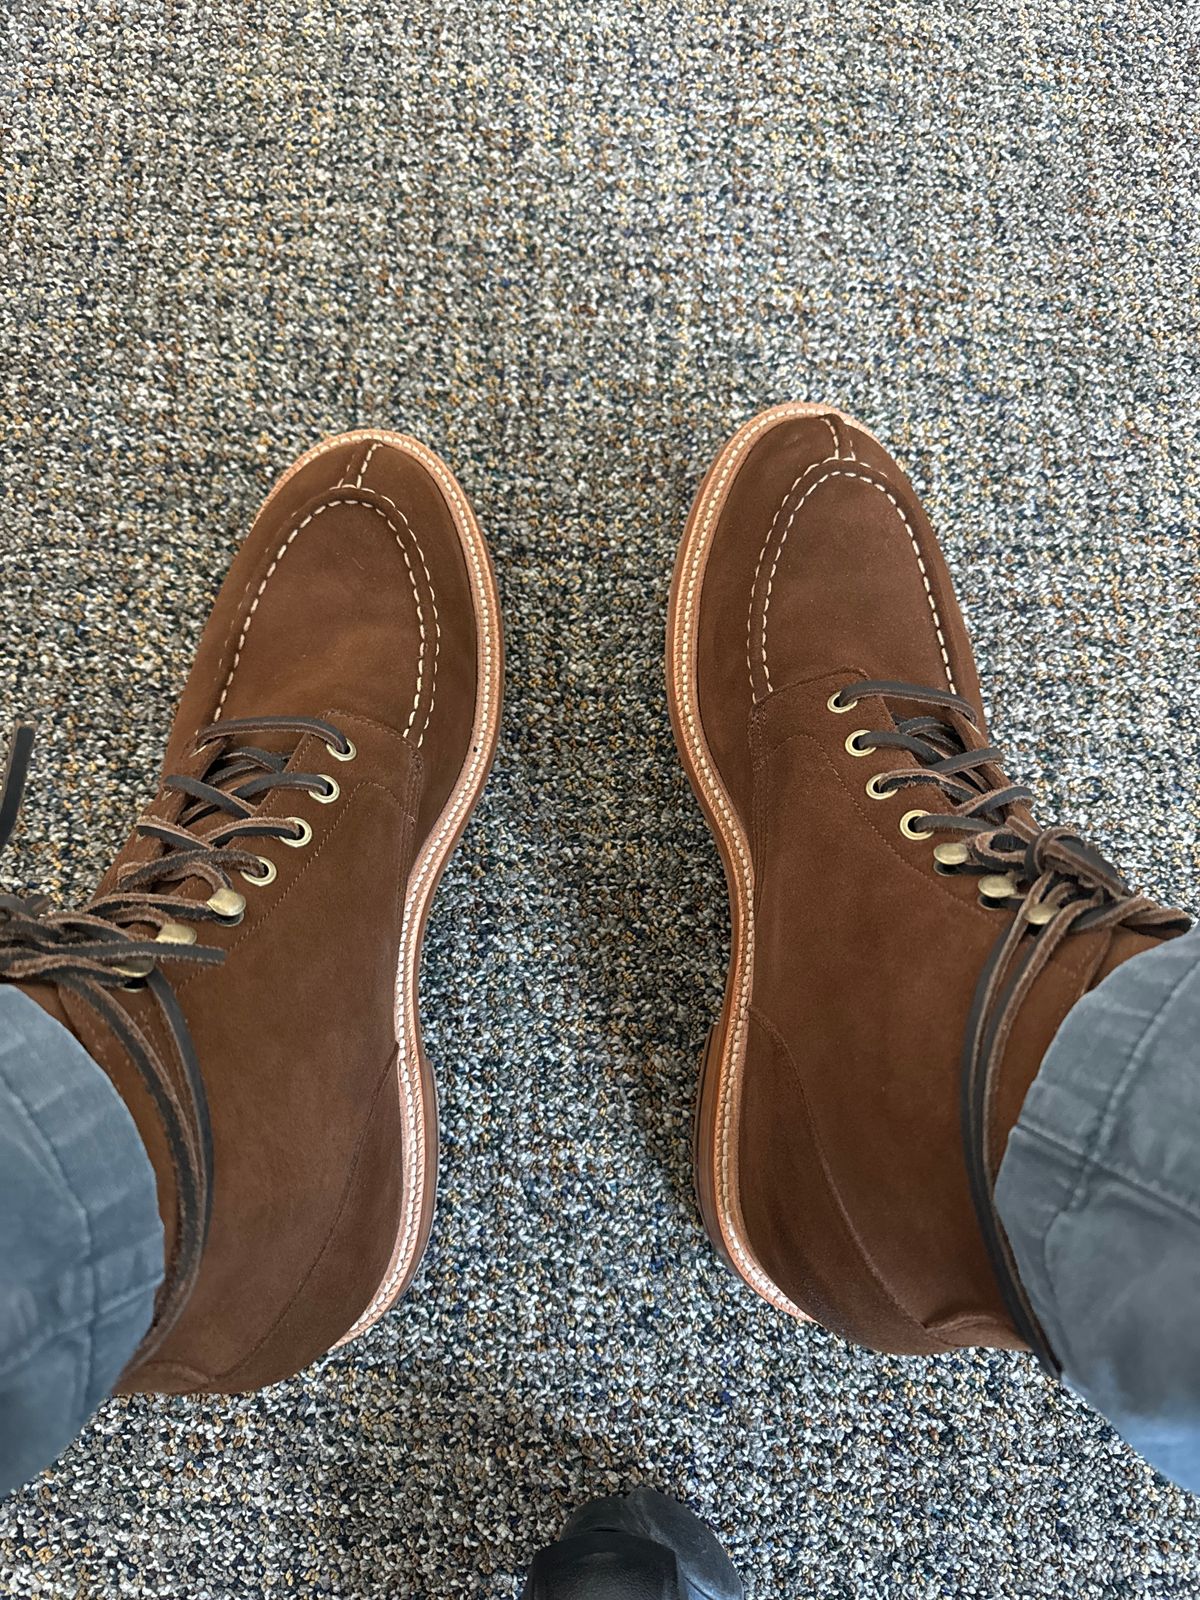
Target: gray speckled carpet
{"type": "Point", "coordinates": [573, 245]}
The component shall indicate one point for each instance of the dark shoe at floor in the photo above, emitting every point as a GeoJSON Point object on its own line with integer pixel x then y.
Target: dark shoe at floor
{"type": "Point", "coordinates": [906, 938]}
{"type": "Point", "coordinates": [247, 973]}
{"type": "Point", "coordinates": [638, 1546]}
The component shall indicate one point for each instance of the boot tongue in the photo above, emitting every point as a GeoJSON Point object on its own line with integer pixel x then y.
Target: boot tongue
{"type": "Point", "coordinates": [278, 741]}
{"type": "Point", "coordinates": [952, 736]}
{"type": "Point", "coordinates": [231, 765]}
{"type": "Point", "coordinates": [281, 743]}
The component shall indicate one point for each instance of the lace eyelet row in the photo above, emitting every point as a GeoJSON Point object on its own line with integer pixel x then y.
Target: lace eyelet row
{"type": "Point", "coordinates": [995, 889]}
{"type": "Point", "coordinates": [325, 796]}
{"type": "Point", "coordinates": [329, 792]}
{"type": "Point", "coordinates": [877, 789]}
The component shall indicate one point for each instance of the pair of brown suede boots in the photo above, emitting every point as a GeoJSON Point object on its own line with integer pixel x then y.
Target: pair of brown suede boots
{"type": "Point", "coordinates": [906, 939]}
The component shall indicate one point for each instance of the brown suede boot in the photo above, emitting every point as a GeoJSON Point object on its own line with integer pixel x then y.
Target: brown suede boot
{"type": "Point", "coordinates": [906, 940]}
{"type": "Point", "coordinates": [247, 974]}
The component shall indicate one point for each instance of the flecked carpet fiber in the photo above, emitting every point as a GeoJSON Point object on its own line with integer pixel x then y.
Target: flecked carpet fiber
{"type": "Point", "coordinates": [573, 246]}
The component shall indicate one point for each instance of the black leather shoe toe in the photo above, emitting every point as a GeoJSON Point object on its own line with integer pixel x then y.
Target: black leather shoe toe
{"type": "Point", "coordinates": [640, 1546]}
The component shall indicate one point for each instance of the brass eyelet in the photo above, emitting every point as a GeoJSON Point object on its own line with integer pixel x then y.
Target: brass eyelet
{"type": "Point", "coordinates": [875, 792]}
{"type": "Point", "coordinates": [997, 886]}
{"type": "Point", "coordinates": [951, 854]}
{"type": "Point", "coordinates": [299, 840]}
{"type": "Point", "coordinates": [855, 748]}
{"type": "Point", "coordinates": [329, 794]}
{"type": "Point", "coordinates": [348, 754]}
{"type": "Point", "coordinates": [908, 825]}
{"type": "Point", "coordinates": [134, 972]}
{"type": "Point", "coordinates": [1040, 914]}
{"type": "Point", "coordinates": [260, 880]}
{"type": "Point", "coordinates": [176, 933]}
{"type": "Point", "coordinates": [834, 706]}
{"type": "Point", "coordinates": [228, 904]}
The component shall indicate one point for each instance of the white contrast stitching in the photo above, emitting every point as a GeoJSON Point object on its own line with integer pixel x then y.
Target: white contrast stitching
{"type": "Point", "coordinates": [437, 621]}
{"type": "Point", "coordinates": [362, 471]}
{"type": "Point", "coordinates": [762, 555]}
{"type": "Point", "coordinates": [844, 472]}
{"type": "Point", "coordinates": [837, 452]}
{"type": "Point", "coordinates": [320, 510]}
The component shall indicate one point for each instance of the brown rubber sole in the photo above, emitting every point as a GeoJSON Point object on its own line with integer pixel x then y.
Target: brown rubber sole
{"type": "Point", "coordinates": [416, 1085]}
{"type": "Point", "coordinates": [718, 1105]}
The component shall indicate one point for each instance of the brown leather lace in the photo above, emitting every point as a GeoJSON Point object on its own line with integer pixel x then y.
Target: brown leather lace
{"type": "Point", "coordinates": [1053, 882]}
{"type": "Point", "coordinates": [94, 954]}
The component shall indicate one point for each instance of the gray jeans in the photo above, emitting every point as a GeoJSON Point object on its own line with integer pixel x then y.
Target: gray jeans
{"type": "Point", "coordinates": [1099, 1192]}
{"type": "Point", "coordinates": [81, 1244]}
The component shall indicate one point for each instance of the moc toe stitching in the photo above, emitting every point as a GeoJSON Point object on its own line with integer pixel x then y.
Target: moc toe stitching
{"type": "Point", "coordinates": [821, 473]}
{"type": "Point", "coordinates": [393, 518]}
